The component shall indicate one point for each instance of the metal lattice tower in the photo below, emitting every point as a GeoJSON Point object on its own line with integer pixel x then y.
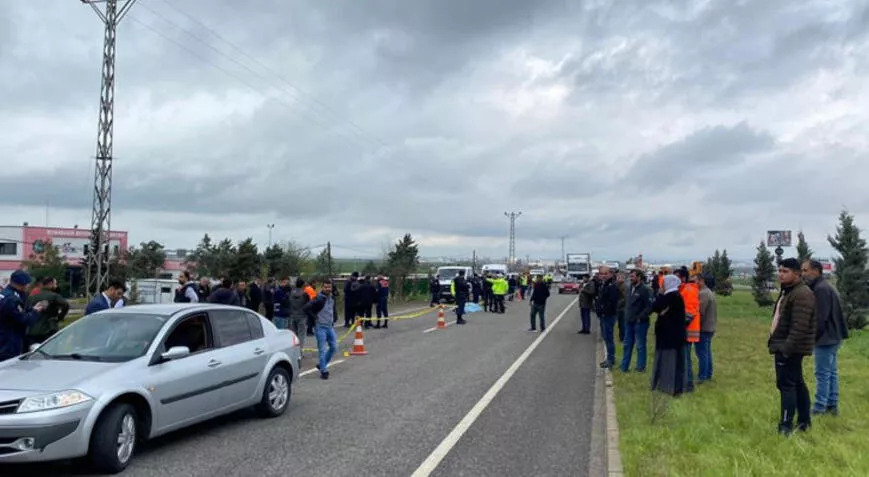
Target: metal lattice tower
{"type": "Point", "coordinates": [512, 256]}
{"type": "Point", "coordinates": [101, 218]}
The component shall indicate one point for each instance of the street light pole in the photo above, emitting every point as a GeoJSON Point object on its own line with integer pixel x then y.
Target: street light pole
{"type": "Point", "coordinates": [270, 226]}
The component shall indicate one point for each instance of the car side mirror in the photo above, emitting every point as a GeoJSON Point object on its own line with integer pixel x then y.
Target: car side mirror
{"type": "Point", "coordinates": [175, 352]}
{"type": "Point", "coordinates": [34, 346]}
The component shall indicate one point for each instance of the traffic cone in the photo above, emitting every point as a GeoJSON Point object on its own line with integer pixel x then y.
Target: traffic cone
{"type": "Point", "coordinates": [442, 322]}
{"type": "Point", "coordinates": [358, 343]}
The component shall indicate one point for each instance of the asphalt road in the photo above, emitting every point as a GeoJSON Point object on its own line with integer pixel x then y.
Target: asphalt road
{"type": "Point", "coordinates": [385, 413]}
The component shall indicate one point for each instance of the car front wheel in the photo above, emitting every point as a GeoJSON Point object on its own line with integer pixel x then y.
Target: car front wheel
{"type": "Point", "coordinates": [276, 395]}
{"type": "Point", "coordinates": [114, 439]}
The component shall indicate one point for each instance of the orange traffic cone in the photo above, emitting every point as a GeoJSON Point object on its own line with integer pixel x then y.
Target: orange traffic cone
{"type": "Point", "coordinates": [358, 343]}
{"type": "Point", "coordinates": [442, 322]}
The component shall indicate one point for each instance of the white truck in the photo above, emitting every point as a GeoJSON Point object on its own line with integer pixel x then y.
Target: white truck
{"type": "Point", "coordinates": [495, 268]}
{"type": "Point", "coordinates": [445, 279]}
{"type": "Point", "coordinates": [579, 265]}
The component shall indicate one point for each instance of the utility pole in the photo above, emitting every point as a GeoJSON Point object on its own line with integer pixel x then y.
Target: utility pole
{"type": "Point", "coordinates": [101, 217]}
{"type": "Point", "coordinates": [329, 258]}
{"type": "Point", "coordinates": [512, 215]}
{"type": "Point", "coordinates": [270, 227]}
{"type": "Point", "coordinates": [563, 259]}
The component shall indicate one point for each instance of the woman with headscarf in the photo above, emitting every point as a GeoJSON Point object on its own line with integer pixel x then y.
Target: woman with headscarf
{"type": "Point", "coordinates": [670, 374]}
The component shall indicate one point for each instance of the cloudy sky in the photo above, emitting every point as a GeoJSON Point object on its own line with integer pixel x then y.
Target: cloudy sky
{"type": "Point", "coordinates": [667, 128]}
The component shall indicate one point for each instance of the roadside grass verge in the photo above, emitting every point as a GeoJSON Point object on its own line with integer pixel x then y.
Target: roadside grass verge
{"type": "Point", "coordinates": [728, 426]}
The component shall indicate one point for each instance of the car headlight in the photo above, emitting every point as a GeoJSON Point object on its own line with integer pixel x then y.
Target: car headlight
{"type": "Point", "coordinates": [57, 400]}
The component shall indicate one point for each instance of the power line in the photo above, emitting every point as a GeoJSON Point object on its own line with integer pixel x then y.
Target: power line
{"type": "Point", "coordinates": [297, 90]}
{"type": "Point", "coordinates": [297, 101]}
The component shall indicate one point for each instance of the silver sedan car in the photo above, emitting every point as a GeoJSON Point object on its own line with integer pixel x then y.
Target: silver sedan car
{"type": "Point", "coordinates": [103, 384]}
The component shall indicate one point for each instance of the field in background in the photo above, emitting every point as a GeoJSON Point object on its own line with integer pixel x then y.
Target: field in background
{"type": "Point", "coordinates": [728, 426]}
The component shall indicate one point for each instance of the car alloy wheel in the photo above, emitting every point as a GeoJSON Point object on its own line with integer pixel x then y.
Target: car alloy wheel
{"type": "Point", "coordinates": [126, 438]}
{"type": "Point", "coordinates": [279, 391]}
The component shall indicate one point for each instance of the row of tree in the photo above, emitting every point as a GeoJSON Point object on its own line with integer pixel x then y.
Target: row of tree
{"type": "Point", "coordinates": [851, 276]}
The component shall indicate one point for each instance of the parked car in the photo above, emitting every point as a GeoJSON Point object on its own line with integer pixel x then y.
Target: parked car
{"type": "Point", "coordinates": [107, 382]}
{"type": "Point", "coordinates": [569, 285]}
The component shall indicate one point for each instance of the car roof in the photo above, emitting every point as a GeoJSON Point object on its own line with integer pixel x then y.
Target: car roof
{"type": "Point", "coordinates": [173, 308]}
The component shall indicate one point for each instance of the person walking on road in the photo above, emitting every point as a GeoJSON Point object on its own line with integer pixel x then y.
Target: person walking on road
{"type": "Point", "coordinates": [792, 337]}
{"type": "Point", "coordinates": [708, 319]}
{"type": "Point", "coordinates": [638, 306]}
{"type": "Point", "coordinates": [298, 319]}
{"type": "Point", "coordinates": [609, 305]}
{"type": "Point", "coordinates": [15, 316]}
{"type": "Point", "coordinates": [323, 308]}
{"type": "Point", "coordinates": [50, 318]}
{"type": "Point", "coordinates": [539, 295]}
{"type": "Point", "coordinates": [831, 331]}
{"type": "Point", "coordinates": [459, 289]}
{"type": "Point", "coordinates": [500, 287]}
{"type": "Point", "coordinates": [668, 373]}
{"type": "Point", "coordinates": [586, 302]}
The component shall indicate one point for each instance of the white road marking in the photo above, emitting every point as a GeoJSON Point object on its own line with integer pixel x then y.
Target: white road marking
{"type": "Point", "coordinates": [435, 328]}
{"type": "Point", "coordinates": [434, 459]}
{"type": "Point", "coordinates": [315, 370]}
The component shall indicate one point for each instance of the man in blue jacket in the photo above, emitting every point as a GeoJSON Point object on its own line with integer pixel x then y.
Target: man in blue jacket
{"type": "Point", "coordinates": [14, 316]}
{"type": "Point", "coordinates": [609, 304]}
{"type": "Point", "coordinates": [107, 298]}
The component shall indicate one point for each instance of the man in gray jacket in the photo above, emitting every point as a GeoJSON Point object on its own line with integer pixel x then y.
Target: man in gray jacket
{"type": "Point", "coordinates": [831, 331]}
{"type": "Point", "coordinates": [323, 308]}
{"type": "Point", "coordinates": [298, 319]}
{"type": "Point", "coordinates": [708, 320]}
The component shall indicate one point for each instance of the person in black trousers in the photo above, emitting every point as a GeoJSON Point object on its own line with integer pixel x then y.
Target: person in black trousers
{"type": "Point", "coordinates": [539, 295]}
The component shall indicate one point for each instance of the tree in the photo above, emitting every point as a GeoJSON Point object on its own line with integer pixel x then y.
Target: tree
{"type": "Point", "coordinates": [723, 272]}
{"type": "Point", "coordinates": [272, 257]}
{"type": "Point", "coordinates": [202, 259]}
{"type": "Point", "coordinates": [49, 263]}
{"type": "Point", "coordinates": [803, 251]}
{"type": "Point", "coordinates": [322, 265]}
{"type": "Point", "coordinates": [764, 273]}
{"type": "Point", "coordinates": [370, 268]}
{"type": "Point", "coordinates": [402, 260]}
{"type": "Point", "coordinates": [147, 260]}
{"type": "Point", "coordinates": [245, 263]}
{"type": "Point", "coordinates": [852, 277]}
{"type": "Point", "coordinates": [224, 258]}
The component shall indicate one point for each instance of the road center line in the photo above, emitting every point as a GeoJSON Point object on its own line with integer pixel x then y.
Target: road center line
{"type": "Point", "coordinates": [315, 370]}
{"type": "Point", "coordinates": [434, 459]}
{"type": "Point", "coordinates": [435, 327]}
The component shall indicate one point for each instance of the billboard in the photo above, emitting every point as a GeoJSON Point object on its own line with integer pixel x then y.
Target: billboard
{"type": "Point", "coordinates": [778, 238]}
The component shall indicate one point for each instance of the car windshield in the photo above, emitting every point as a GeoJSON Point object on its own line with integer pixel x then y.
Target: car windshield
{"type": "Point", "coordinates": [109, 337]}
{"type": "Point", "coordinates": [448, 273]}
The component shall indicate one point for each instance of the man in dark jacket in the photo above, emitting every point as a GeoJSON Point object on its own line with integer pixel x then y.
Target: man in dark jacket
{"type": "Point", "coordinates": [187, 292]}
{"type": "Point", "coordinates": [367, 299]}
{"type": "Point", "coordinates": [204, 289]}
{"type": "Point", "coordinates": [256, 295]}
{"type": "Point", "coordinates": [586, 303]}
{"type": "Point", "coordinates": [792, 337]}
{"type": "Point", "coordinates": [50, 318]}
{"type": "Point", "coordinates": [15, 317]}
{"type": "Point", "coordinates": [243, 297]}
{"type": "Point", "coordinates": [351, 297]}
{"type": "Point", "coordinates": [382, 301]}
{"type": "Point", "coordinates": [282, 304]}
{"type": "Point", "coordinates": [620, 313]}
{"type": "Point", "coordinates": [107, 299]}
{"type": "Point", "coordinates": [460, 289]}
{"type": "Point", "coordinates": [609, 306]}
{"type": "Point", "coordinates": [488, 295]}
{"type": "Point", "coordinates": [224, 294]}
{"type": "Point", "coordinates": [539, 295]}
{"type": "Point", "coordinates": [269, 298]}
{"type": "Point", "coordinates": [830, 331]}
{"type": "Point", "coordinates": [638, 305]}
{"type": "Point", "coordinates": [434, 287]}
{"type": "Point", "coordinates": [476, 287]}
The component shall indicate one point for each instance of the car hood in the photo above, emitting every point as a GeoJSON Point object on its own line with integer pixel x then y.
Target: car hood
{"type": "Point", "coordinates": [27, 377]}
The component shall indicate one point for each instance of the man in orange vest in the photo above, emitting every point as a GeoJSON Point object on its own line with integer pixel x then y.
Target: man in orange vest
{"type": "Point", "coordinates": [691, 296]}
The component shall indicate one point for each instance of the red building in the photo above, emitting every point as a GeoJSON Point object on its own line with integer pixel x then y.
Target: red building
{"type": "Point", "coordinates": [19, 243]}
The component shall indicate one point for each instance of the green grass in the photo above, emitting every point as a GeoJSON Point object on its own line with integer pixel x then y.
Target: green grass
{"type": "Point", "coordinates": [727, 427]}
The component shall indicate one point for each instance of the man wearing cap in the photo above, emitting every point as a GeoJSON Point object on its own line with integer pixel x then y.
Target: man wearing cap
{"type": "Point", "coordinates": [14, 315]}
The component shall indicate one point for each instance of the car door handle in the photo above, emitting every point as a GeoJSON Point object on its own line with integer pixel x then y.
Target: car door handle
{"type": "Point", "coordinates": [258, 351]}
{"type": "Point", "coordinates": [213, 363]}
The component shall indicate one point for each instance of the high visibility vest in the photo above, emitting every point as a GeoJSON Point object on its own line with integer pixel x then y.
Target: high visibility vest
{"type": "Point", "coordinates": [691, 296]}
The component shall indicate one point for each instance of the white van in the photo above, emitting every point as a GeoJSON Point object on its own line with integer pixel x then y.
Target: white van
{"type": "Point", "coordinates": [446, 276]}
{"type": "Point", "coordinates": [495, 268]}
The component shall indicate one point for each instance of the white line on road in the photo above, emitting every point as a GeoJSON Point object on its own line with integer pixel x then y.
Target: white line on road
{"type": "Point", "coordinates": [435, 327]}
{"type": "Point", "coordinates": [435, 458]}
{"type": "Point", "coordinates": [315, 370]}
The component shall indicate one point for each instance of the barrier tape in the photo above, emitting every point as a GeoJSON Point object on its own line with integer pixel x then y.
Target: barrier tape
{"type": "Point", "coordinates": [409, 316]}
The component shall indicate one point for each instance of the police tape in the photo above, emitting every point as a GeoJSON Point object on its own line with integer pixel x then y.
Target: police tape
{"type": "Point", "coordinates": [359, 320]}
